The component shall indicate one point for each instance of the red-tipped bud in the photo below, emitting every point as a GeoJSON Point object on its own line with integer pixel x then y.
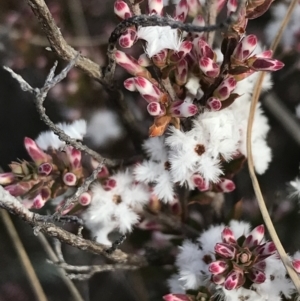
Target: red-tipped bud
{"type": "Point", "coordinates": [85, 199]}
{"type": "Point", "coordinates": [6, 178]}
{"type": "Point", "coordinates": [74, 156]}
{"type": "Point", "coordinates": [217, 267]}
{"type": "Point", "coordinates": [225, 250]}
{"type": "Point", "coordinates": [255, 237]}
{"type": "Point", "coordinates": [220, 5]}
{"type": "Point", "coordinates": [209, 67]}
{"type": "Point", "coordinates": [267, 54]}
{"type": "Point", "coordinates": [38, 202]}
{"type": "Point", "coordinates": [218, 279]}
{"type": "Point", "coordinates": [199, 21]}
{"type": "Point", "coordinates": [109, 184]}
{"type": "Point", "coordinates": [148, 91]}
{"type": "Point", "coordinates": [205, 50]}
{"type": "Point", "coordinates": [226, 185]}
{"type": "Point", "coordinates": [45, 169]}
{"type": "Point", "coordinates": [103, 173]}
{"type": "Point", "coordinates": [154, 108]}
{"type": "Point", "coordinates": [129, 84]}
{"type": "Point", "coordinates": [176, 297]}
{"type": "Point", "coordinates": [144, 60]}
{"type": "Point", "coordinates": [261, 265]}
{"type": "Point", "coordinates": [19, 189]}
{"type": "Point", "coordinates": [69, 179]}
{"type": "Point", "coordinates": [197, 180]}
{"type": "Point", "coordinates": [128, 38]}
{"type": "Point", "coordinates": [214, 103]}
{"type": "Point", "coordinates": [266, 249]}
{"type": "Point", "coordinates": [227, 236]}
{"type": "Point", "coordinates": [245, 47]}
{"type": "Point", "coordinates": [181, 72]}
{"type": "Point", "coordinates": [181, 10]}
{"type": "Point", "coordinates": [234, 280]}
{"type": "Point", "coordinates": [184, 49]}
{"type": "Point", "coordinates": [36, 154]}
{"type": "Point", "coordinates": [231, 6]}
{"type": "Point", "coordinates": [130, 64]}
{"type": "Point", "coordinates": [256, 276]}
{"type": "Point", "coordinates": [183, 109]}
{"type": "Point", "coordinates": [296, 265]}
{"type": "Point", "coordinates": [160, 59]}
{"type": "Point", "coordinates": [262, 64]}
{"type": "Point", "coordinates": [155, 7]}
{"type": "Point", "coordinates": [122, 10]}
{"type": "Point", "coordinates": [225, 88]}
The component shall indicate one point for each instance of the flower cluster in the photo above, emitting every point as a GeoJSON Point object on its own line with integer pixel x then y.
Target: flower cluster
{"type": "Point", "coordinates": [233, 262]}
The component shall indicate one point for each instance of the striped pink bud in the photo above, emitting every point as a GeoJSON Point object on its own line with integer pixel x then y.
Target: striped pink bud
{"type": "Point", "coordinates": [205, 50]}
{"type": "Point", "coordinates": [217, 267]}
{"type": "Point", "coordinates": [226, 185]}
{"type": "Point", "coordinates": [296, 265]}
{"type": "Point", "coordinates": [234, 280]}
{"type": "Point", "coordinates": [85, 199]}
{"type": "Point", "coordinates": [154, 108]}
{"type": "Point", "coordinates": [184, 49]}
{"type": "Point", "coordinates": [264, 64]}
{"type": "Point", "coordinates": [144, 60]}
{"type": "Point", "coordinates": [183, 109]}
{"type": "Point", "coordinates": [225, 88]}
{"type": "Point", "coordinates": [6, 178]}
{"type": "Point", "coordinates": [36, 154]}
{"type": "Point", "coordinates": [228, 236]}
{"type": "Point", "coordinates": [148, 91]}
{"type": "Point", "coordinates": [181, 10]}
{"type": "Point", "coordinates": [110, 184]}
{"type": "Point", "coordinates": [245, 47]}
{"type": "Point", "coordinates": [255, 237]}
{"type": "Point", "coordinates": [155, 7]}
{"type": "Point", "coordinates": [128, 38]}
{"type": "Point", "coordinates": [45, 169]}
{"type": "Point", "coordinates": [74, 157]}
{"type": "Point", "coordinates": [214, 103]}
{"type": "Point", "coordinates": [129, 84]}
{"type": "Point", "coordinates": [257, 276]}
{"type": "Point", "coordinates": [181, 72]}
{"type": "Point", "coordinates": [209, 67]}
{"type": "Point", "coordinates": [231, 6]}
{"type": "Point", "coordinates": [225, 250]}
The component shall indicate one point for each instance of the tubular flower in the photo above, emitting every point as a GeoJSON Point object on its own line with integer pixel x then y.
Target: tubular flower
{"type": "Point", "coordinates": [240, 259]}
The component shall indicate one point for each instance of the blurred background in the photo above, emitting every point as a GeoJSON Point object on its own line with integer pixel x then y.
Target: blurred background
{"type": "Point", "coordinates": [86, 25]}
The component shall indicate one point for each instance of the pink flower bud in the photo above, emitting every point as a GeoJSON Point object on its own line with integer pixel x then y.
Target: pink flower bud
{"type": "Point", "coordinates": [128, 38]}
{"type": "Point", "coordinates": [227, 236]}
{"type": "Point", "coordinates": [74, 156]}
{"type": "Point", "coordinates": [197, 180]}
{"type": "Point", "coordinates": [234, 280]}
{"type": "Point", "coordinates": [176, 297]}
{"type": "Point", "coordinates": [267, 54]}
{"type": "Point", "coordinates": [194, 7]}
{"type": "Point", "coordinates": [45, 169]}
{"type": "Point", "coordinates": [122, 10]}
{"type": "Point", "coordinates": [181, 72]}
{"type": "Point", "coordinates": [109, 184]}
{"type": "Point", "coordinates": [36, 154]}
{"type": "Point", "coordinates": [6, 178]}
{"type": "Point", "coordinates": [130, 64]}
{"type": "Point", "coordinates": [199, 21]}
{"type": "Point", "coordinates": [226, 185]}
{"type": "Point", "coordinates": [296, 265]}
{"type": "Point", "coordinates": [231, 6]}
{"type": "Point", "coordinates": [38, 202]}
{"type": "Point", "coordinates": [220, 4]}
{"type": "Point", "coordinates": [19, 189]}
{"type": "Point", "coordinates": [148, 91]}
{"type": "Point", "coordinates": [217, 267]}
{"type": "Point", "coordinates": [267, 249]}
{"type": "Point", "coordinates": [155, 7]}
{"type": "Point", "coordinates": [256, 276]}
{"type": "Point", "coordinates": [245, 47]}
{"type": "Point", "coordinates": [264, 64]}
{"type": "Point", "coordinates": [129, 84]}
{"type": "Point", "coordinates": [184, 49]}
{"type": "Point", "coordinates": [214, 103]}
{"type": "Point", "coordinates": [154, 108]}
{"type": "Point", "coordinates": [183, 109]}
{"type": "Point", "coordinates": [255, 237]}
{"type": "Point", "coordinates": [225, 88]}
{"type": "Point", "coordinates": [261, 265]}
{"type": "Point", "coordinates": [218, 279]}
{"type": "Point", "coordinates": [181, 10]}
{"type": "Point", "coordinates": [69, 179]}
{"type": "Point", "coordinates": [204, 50]}
{"type": "Point", "coordinates": [144, 60]}
{"type": "Point", "coordinates": [225, 250]}
{"type": "Point", "coordinates": [85, 199]}
{"type": "Point", "coordinates": [160, 59]}
{"type": "Point", "coordinates": [209, 67]}
{"type": "Point", "coordinates": [103, 172]}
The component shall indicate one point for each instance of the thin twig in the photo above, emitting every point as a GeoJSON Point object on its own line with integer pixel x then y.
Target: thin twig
{"type": "Point", "coordinates": [211, 15]}
{"type": "Point", "coordinates": [27, 266]}
{"type": "Point", "coordinates": [58, 43]}
{"type": "Point", "coordinates": [264, 211]}
{"type": "Point", "coordinates": [70, 285]}
{"type": "Point", "coordinates": [11, 204]}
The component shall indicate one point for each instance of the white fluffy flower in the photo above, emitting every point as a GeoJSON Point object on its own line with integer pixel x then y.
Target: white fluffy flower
{"type": "Point", "coordinates": [116, 208]}
{"type": "Point", "coordinates": [159, 38]}
{"type": "Point", "coordinates": [75, 130]}
{"type": "Point", "coordinates": [103, 126]}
